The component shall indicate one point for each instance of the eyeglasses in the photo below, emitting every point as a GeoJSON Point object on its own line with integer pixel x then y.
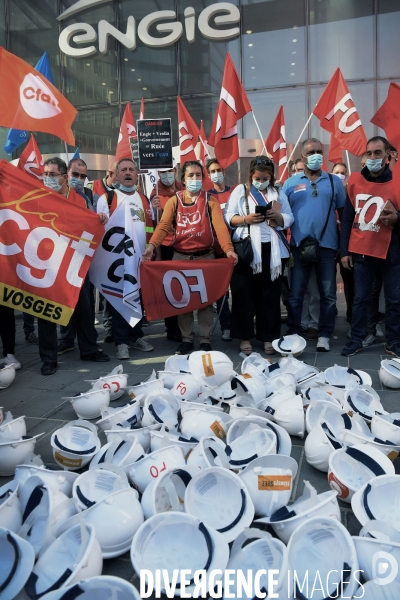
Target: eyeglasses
{"type": "Point", "coordinates": [260, 160]}
{"type": "Point", "coordinates": [78, 175]}
{"type": "Point", "coordinates": [314, 188]}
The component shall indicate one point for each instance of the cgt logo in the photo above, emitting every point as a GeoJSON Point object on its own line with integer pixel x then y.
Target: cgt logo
{"type": "Point", "coordinates": [37, 100]}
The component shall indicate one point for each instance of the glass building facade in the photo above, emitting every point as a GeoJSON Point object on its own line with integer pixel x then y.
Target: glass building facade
{"type": "Point", "coordinates": [286, 52]}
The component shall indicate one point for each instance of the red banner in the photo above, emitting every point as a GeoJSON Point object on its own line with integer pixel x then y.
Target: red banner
{"type": "Point", "coordinates": [176, 287]}
{"type": "Point", "coordinates": [46, 245]}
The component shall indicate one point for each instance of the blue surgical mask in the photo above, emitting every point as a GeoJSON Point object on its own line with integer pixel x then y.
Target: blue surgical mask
{"type": "Point", "coordinates": [52, 183]}
{"type": "Point", "coordinates": [167, 178]}
{"type": "Point", "coordinates": [314, 162]}
{"type": "Point", "coordinates": [260, 185]}
{"type": "Point", "coordinates": [115, 185]}
{"type": "Point", "coordinates": [374, 164]}
{"type": "Point", "coordinates": [123, 188]}
{"type": "Point", "coordinates": [217, 178]}
{"type": "Point", "coordinates": [193, 185]}
{"type": "Point", "coordinates": [76, 183]}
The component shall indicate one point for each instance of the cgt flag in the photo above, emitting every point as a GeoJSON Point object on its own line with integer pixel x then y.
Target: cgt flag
{"type": "Point", "coordinates": [127, 130]}
{"type": "Point", "coordinates": [276, 145]}
{"type": "Point", "coordinates": [188, 133]}
{"type": "Point", "coordinates": [173, 288]}
{"type": "Point", "coordinates": [338, 115]}
{"type": "Point", "coordinates": [31, 160]}
{"type": "Point", "coordinates": [46, 245]}
{"type": "Point", "coordinates": [115, 268]}
{"type": "Point", "coordinates": [30, 102]}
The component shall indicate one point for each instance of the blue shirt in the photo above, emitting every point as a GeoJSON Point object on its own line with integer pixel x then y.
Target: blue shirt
{"type": "Point", "coordinates": [310, 211]}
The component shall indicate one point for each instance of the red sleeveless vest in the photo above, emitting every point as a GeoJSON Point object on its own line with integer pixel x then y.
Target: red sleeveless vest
{"type": "Point", "coordinates": [193, 228]}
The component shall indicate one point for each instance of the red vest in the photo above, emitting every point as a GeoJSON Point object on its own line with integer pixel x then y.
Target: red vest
{"type": "Point", "coordinates": [147, 212]}
{"type": "Point", "coordinates": [369, 235]}
{"type": "Point", "coordinates": [193, 229]}
{"type": "Point", "coordinates": [165, 193]}
{"type": "Point", "coordinates": [223, 197]}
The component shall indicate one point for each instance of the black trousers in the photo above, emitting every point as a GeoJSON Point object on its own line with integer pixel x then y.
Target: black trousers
{"type": "Point", "coordinates": [256, 295]}
{"type": "Point", "coordinates": [7, 329]}
{"type": "Point", "coordinates": [81, 323]}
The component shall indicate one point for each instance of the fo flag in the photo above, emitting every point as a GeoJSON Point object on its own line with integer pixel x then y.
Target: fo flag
{"type": "Point", "coordinates": [338, 115]}
{"type": "Point", "coordinates": [335, 151]}
{"type": "Point", "coordinates": [175, 287]}
{"type": "Point", "coordinates": [127, 130]}
{"type": "Point", "coordinates": [188, 133]}
{"type": "Point", "coordinates": [30, 102]}
{"type": "Point", "coordinates": [46, 245]}
{"type": "Point", "coordinates": [388, 115]}
{"type": "Point", "coordinates": [31, 160]}
{"type": "Point", "coordinates": [115, 268]}
{"type": "Point", "coordinates": [233, 105]}
{"type": "Point", "coordinates": [276, 144]}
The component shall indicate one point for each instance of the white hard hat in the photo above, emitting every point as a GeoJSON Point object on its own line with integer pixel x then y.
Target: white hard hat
{"type": "Point", "coordinates": [196, 423]}
{"type": "Point", "coordinates": [153, 465]}
{"type": "Point", "coordinates": [378, 537]}
{"type": "Point", "coordinates": [7, 375]}
{"type": "Point", "coordinates": [243, 425]}
{"type": "Point", "coordinates": [221, 500]}
{"type": "Point", "coordinates": [286, 411]}
{"type": "Point", "coordinates": [163, 438]}
{"type": "Point", "coordinates": [247, 385]}
{"type": "Point", "coordinates": [186, 387]}
{"type": "Point", "coordinates": [362, 400]}
{"type": "Point", "coordinates": [75, 444]}
{"type": "Point", "coordinates": [277, 380]}
{"type": "Point", "coordinates": [375, 591]}
{"type": "Point", "coordinates": [203, 404]}
{"type": "Point", "coordinates": [389, 373]}
{"type": "Point", "coordinates": [177, 363]}
{"type": "Point", "coordinates": [269, 481]}
{"type": "Point", "coordinates": [175, 541]}
{"type": "Point", "coordinates": [358, 436]}
{"type": "Point", "coordinates": [10, 507]}
{"type": "Point", "coordinates": [98, 483]}
{"type": "Point", "coordinates": [257, 361]}
{"type": "Point", "coordinates": [145, 388]}
{"type": "Point", "coordinates": [14, 452]}
{"type": "Point", "coordinates": [160, 408]}
{"type": "Point", "coordinates": [17, 560]}
{"type": "Point", "coordinates": [115, 382]}
{"type": "Point", "coordinates": [317, 394]}
{"type": "Point", "coordinates": [303, 371]}
{"type": "Point", "coordinates": [319, 445]}
{"type": "Point", "coordinates": [223, 393]}
{"type": "Point", "coordinates": [249, 446]}
{"type": "Point", "coordinates": [12, 429]}
{"type": "Point", "coordinates": [243, 407]}
{"type": "Point", "coordinates": [168, 378]}
{"type": "Point", "coordinates": [128, 415]}
{"type": "Point", "coordinates": [88, 405]}
{"type": "Point", "coordinates": [343, 377]}
{"type": "Point", "coordinates": [103, 587]}
{"type": "Point", "coordinates": [319, 410]}
{"type": "Point", "coordinates": [378, 499]}
{"type": "Point", "coordinates": [350, 468]}
{"type": "Point", "coordinates": [167, 493]}
{"type": "Point", "coordinates": [209, 452]}
{"type": "Point", "coordinates": [386, 427]}
{"type": "Point", "coordinates": [211, 368]}
{"type": "Point", "coordinates": [292, 345]}
{"type": "Point", "coordinates": [59, 478]}
{"type": "Point", "coordinates": [129, 433]}
{"type": "Point", "coordinates": [286, 519]}
{"type": "Point", "coordinates": [312, 379]}
{"type": "Point", "coordinates": [321, 546]}
{"type": "Point", "coordinates": [119, 452]}
{"type": "Point", "coordinates": [73, 556]}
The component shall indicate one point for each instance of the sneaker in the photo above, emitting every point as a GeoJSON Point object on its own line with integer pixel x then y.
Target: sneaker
{"type": "Point", "coordinates": [205, 347]}
{"type": "Point", "coordinates": [141, 345]}
{"type": "Point", "coordinates": [352, 348]}
{"type": "Point", "coordinates": [65, 347]}
{"type": "Point", "coordinates": [369, 340]}
{"type": "Point", "coordinates": [11, 360]}
{"type": "Point", "coordinates": [312, 334]}
{"type": "Point", "coordinates": [393, 350]}
{"type": "Point", "coordinates": [379, 333]}
{"type": "Point", "coordinates": [184, 348]}
{"type": "Point", "coordinates": [323, 344]}
{"type": "Point", "coordinates": [32, 338]}
{"type": "Point", "coordinates": [96, 357]}
{"type": "Point", "coordinates": [122, 352]}
{"type": "Point", "coordinates": [226, 335]}
{"type": "Point", "coordinates": [48, 368]}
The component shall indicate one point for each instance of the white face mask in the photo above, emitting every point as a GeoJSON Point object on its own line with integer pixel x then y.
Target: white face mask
{"type": "Point", "coordinates": [167, 178]}
{"type": "Point", "coordinates": [341, 176]}
{"type": "Point", "coordinates": [260, 185]}
{"type": "Point", "coordinates": [217, 178]}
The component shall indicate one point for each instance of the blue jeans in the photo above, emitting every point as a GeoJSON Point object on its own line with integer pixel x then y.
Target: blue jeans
{"type": "Point", "coordinates": [123, 333]}
{"type": "Point", "coordinates": [364, 276]}
{"type": "Point", "coordinates": [29, 324]}
{"type": "Point", "coordinates": [326, 281]}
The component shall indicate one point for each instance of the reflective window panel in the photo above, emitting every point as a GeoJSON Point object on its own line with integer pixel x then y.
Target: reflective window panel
{"type": "Point", "coordinates": [388, 38]}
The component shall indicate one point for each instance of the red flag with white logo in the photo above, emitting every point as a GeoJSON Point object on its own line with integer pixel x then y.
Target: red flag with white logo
{"type": "Point", "coordinates": [335, 151]}
{"type": "Point", "coordinates": [188, 133]}
{"type": "Point", "coordinates": [338, 115]}
{"type": "Point", "coordinates": [31, 160]}
{"type": "Point", "coordinates": [388, 115]}
{"type": "Point", "coordinates": [233, 105]}
{"type": "Point", "coordinates": [127, 130]}
{"type": "Point", "coordinates": [141, 111]}
{"type": "Point", "coordinates": [204, 157]}
{"type": "Point", "coordinates": [30, 102]}
{"type": "Point", "coordinates": [276, 145]}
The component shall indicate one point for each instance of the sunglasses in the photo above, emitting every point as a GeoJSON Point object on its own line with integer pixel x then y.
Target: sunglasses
{"type": "Point", "coordinates": [314, 188]}
{"type": "Point", "coordinates": [260, 160]}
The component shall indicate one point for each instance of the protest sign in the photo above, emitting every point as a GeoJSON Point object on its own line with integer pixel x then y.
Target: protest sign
{"type": "Point", "coordinates": [154, 143]}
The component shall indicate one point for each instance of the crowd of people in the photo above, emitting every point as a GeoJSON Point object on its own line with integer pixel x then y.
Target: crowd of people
{"type": "Point", "coordinates": [285, 239]}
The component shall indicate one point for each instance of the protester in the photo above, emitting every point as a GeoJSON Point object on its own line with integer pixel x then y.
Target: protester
{"type": "Point", "coordinates": [394, 156]}
{"type": "Point", "coordinates": [125, 336]}
{"type": "Point", "coordinates": [375, 236]}
{"type": "Point", "coordinates": [167, 187]}
{"type": "Point", "coordinates": [202, 213]}
{"type": "Point", "coordinates": [256, 288]}
{"type": "Point", "coordinates": [7, 335]}
{"type": "Point", "coordinates": [298, 166]}
{"type": "Point", "coordinates": [314, 197]}
{"type": "Point", "coordinates": [340, 169]}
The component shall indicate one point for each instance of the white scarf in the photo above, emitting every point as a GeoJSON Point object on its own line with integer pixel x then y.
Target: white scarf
{"type": "Point", "coordinates": [255, 234]}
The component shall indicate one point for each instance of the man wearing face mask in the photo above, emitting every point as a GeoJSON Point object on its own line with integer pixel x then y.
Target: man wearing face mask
{"type": "Point", "coordinates": [314, 197]}
{"type": "Point", "coordinates": [369, 244]}
{"type": "Point", "coordinates": [125, 336]}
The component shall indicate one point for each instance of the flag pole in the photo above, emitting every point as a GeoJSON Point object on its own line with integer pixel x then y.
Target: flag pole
{"type": "Point", "coordinates": [296, 144]}
{"type": "Point", "coordinates": [66, 151]}
{"type": "Point", "coordinates": [259, 132]}
{"type": "Point", "coordinates": [348, 162]}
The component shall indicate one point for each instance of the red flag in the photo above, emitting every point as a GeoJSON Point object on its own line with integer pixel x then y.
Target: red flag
{"type": "Point", "coordinates": [338, 115]}
{"type": "Point", "coordinates": [388, 115]}
{"type": "Point", "coordinates": [31, 160]}
{"type": "Point", "coordinates": [30, 102]}
{"type": "Point", "coordinates": [173, 290]}
{"type": "Point", "coordinates": [335, 151]}
{"type": "Point", "coordinates": [127, 130]}
{"type": "Point", "coordinates": [276, 145]}
{"type": "Point", "coordinates": [141, 111]}
{"type": "Point", "coordinates": [204, 157]}
{"type": "Point", "coordinates": [233, 105]}
{"type": "Point", "coordinates": [188, 133]}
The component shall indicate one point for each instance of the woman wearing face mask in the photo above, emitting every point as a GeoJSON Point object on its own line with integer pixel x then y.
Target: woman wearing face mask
{"type": "Point", "coordinates": [256, 288]}
{"type": "Point", "coordinates": [202, 212]}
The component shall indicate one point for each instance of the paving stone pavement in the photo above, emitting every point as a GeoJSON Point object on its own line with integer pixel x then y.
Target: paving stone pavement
{"type": "Point", "coordinates": [40, 398]}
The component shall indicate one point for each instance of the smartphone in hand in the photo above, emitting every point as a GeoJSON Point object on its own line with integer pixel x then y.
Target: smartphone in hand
{"type": "Point", "coordinates": [261, 210]}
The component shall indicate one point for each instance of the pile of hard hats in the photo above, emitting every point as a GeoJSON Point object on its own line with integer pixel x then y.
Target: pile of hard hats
{"type": "Point", "coordinates": [197, 455]}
